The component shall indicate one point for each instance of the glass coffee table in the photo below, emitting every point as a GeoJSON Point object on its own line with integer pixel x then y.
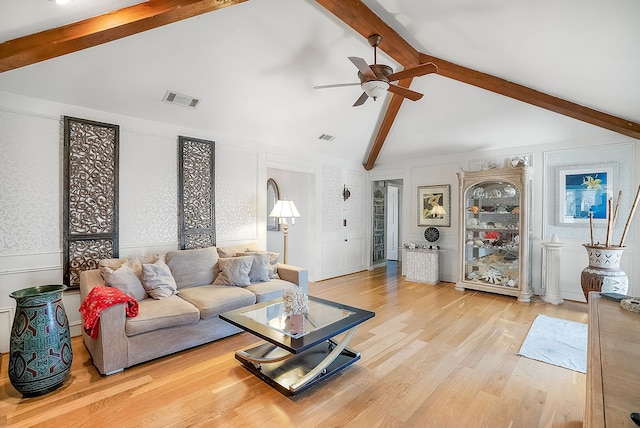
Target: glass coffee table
{"type": "Point", "coordinates": [300, 349]}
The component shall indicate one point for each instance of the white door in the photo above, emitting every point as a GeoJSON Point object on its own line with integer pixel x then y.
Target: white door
{"type": "Point", "coordinates": [392, 222]}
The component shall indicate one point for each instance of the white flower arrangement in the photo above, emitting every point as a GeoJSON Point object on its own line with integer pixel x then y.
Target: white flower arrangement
{"type": "Point", "coordinates": [295, 301]}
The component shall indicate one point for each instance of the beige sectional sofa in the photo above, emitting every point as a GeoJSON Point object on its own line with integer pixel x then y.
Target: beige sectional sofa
{"type": "Point", "coordinates": [187, 314]}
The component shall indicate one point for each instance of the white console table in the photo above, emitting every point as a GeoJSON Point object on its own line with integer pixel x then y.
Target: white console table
{"type": "Point", "coordinates": [422, 265]}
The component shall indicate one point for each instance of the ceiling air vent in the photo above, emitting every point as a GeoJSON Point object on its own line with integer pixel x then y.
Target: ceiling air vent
{"type": "Point", "coordinates": [326, 137]}
{"type": "Point", "coordinates": [173, 97]}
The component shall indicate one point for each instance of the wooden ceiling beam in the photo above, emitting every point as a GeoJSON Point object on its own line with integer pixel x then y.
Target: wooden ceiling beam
{"type": "Point", "coordinates": [359, 17]}
{"type": "Point", "coordinates": [101, 29]}
{"type": "Point", "coordinates": [534, 97]}
{"type": "Point", "coordinates": [387, 122]}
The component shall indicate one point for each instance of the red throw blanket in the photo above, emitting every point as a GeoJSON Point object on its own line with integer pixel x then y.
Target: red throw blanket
{"type": "Point", "coordinates": [99, 299]}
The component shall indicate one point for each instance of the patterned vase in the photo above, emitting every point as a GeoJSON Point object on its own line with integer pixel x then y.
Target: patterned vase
{"type": "Point", "coordinates": [40, 352]}
{"type": "Point", "coordinates": [604, 273]}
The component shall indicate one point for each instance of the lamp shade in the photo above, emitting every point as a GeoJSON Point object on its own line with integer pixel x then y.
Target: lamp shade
{"type": "Point", "coordinates": [284, 210]}
{"type": "Point", "coordinates": [375, 88]}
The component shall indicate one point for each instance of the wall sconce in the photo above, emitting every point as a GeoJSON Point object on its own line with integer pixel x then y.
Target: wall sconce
{"type": "Point", "coordinates": [346, 193]}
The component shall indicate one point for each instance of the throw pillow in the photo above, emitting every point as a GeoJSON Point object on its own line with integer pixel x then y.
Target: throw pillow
{"type": "Point", "coordinates": [234, 271]}
{"type": "Point", "coordinates": [124, 274]}
{"type": "Point", "coordinates": [260, 267]}
{"type": "Point", "coordinates": [273, 262]}
{"type": "Point", "coordinates": [231, 250]}
{"type": "Point", "coordinates": [157, 279]}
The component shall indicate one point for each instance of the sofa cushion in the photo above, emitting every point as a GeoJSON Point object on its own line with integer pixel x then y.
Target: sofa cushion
{"type": "Point", "coordinates": [260, 268]}
{"type": "Point", "coordinates": [157, 279]}
{"type": "Point", "coordinates": [234, 271]}
{"type": "Point", "coordinates": [158, 314]}
{"type": "Point", "coordinates": [125, 275]}
{"type": "Point", "coordinates": [270, 290]}
{"type": "Point", "coordinates": [231, 250]}
{"type": "Point", "coordinates": [212, 300]}
{"type": "Point", "coordinates": [273, 261]}
{"type": "Point", "coordinates": [192, 268]}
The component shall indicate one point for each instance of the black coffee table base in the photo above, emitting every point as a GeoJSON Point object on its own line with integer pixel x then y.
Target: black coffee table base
{"type": "Point", "coordinates": [285, 374]}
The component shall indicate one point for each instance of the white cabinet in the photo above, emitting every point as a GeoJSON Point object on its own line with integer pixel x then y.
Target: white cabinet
{"type": "Point", "coordinates": [421, 265]}
{"type": "Point", "coordinates": [495, 231]}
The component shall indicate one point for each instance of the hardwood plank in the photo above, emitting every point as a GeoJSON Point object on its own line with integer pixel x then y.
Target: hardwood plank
{"type": "Point", "coordinates": [432, 356]}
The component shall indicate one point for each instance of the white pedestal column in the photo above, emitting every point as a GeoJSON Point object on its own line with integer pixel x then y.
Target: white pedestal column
{"type": "Point", "coordinates": [551, 270]}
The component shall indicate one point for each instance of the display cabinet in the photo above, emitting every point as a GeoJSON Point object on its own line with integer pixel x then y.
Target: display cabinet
{"type": "Point", "coordinates": [495, 231]}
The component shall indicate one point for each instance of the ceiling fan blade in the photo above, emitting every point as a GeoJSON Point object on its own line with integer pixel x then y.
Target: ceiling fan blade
{"type": "Point", "coordinates": [420, 70]}
{"type": "Point", "coordinates": [337, 85]}
{"type": "Point", "coordinates": [363, 67]}
{"type": "Point", "coordinates": [361, 100]}
{"type": "Point", "coordinates": [404, 92]}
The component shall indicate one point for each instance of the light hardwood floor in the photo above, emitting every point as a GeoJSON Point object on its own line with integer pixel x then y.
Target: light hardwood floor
{"type": "Point", "coordinates": [431, 357]}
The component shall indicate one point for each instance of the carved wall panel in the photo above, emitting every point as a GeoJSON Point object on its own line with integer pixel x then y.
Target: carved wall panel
{"type": "Point", "coordinates": [90, 215]}
{"type": "Point", "coordinates": [196, 193]}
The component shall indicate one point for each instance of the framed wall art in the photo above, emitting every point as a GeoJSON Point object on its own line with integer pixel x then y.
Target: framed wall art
{"type": "Point", "coordinates": [585, 189]}
{"type": "Point", "coordinates": [434, 205]}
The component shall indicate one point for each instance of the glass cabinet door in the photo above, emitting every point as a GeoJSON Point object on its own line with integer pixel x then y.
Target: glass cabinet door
{"type": "Point", "coordinates": [492, 234]}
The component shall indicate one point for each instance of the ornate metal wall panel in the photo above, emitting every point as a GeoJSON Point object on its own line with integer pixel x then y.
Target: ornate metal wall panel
{"type": "Point", "coordinates": [90, 195]}
{"type": "Point", "coordinates": [196, 193]}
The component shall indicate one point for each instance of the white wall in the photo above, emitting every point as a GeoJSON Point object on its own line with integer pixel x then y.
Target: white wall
{"type": "Point", "coordinates": [436, 170]}
{"type": "Point", "coordinates": [31, 196]}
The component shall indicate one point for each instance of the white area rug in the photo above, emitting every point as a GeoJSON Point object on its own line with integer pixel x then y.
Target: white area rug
{"type": "Point", "coordinates": [556, 341]}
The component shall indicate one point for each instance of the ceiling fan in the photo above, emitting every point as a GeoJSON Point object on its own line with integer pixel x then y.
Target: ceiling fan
{"type": "Point", "coordinates": [376, 79]}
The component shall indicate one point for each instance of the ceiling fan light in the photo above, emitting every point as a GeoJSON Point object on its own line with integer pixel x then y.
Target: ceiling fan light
{"type": "Point", "coordinates": [375, 88]}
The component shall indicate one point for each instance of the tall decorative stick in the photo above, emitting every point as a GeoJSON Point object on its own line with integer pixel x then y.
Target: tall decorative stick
{"type": "Point", "coordinates": [591, 226]}
{"type": "Point", "coordinates": [609, 220]}
{"type": "Point", "coordinates": [615, 212]}
{"type": "Point", "coordinates": [633, 210]}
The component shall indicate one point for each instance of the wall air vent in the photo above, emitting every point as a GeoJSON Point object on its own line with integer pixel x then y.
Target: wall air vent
{"type": "Point", "coordinates": [326, 137]}
{"type": "Point", "coordinates": [173, 97]}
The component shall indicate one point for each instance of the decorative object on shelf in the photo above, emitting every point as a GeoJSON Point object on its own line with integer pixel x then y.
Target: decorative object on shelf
{"type": "Point", "coordinates": [296, 304]}
{"type": "Point", "coordinates": [431, 234]}
{"type": "Point", "coordinates": [282, 211]}
{"type": "Point", "coordinates": [509, 191]}
{"type": "Point", "coordinates": [40, 352]}
{"type": "Point", "coordinates": [273, 194]}
{"type": "Point", "coordinates": [295, 301]}
{"type": "Point", "coordinates": [478, 192]}
{"type": "Point", "coordinates": [434, 205]}
{"type": "Point", "coordinates": [632, 304]}
{"type": "Point", "coordinates": [603, 272]}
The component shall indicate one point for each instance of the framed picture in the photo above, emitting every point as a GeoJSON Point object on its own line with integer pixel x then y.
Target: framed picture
{"type": "Point", "coordinates": [434, 205]}
{"type": "Point", "coordinates": [273, 194]}
{"type": "Point", "coordinates": [583, 190]}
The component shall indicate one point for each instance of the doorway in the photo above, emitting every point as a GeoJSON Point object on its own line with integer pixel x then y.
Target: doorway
{"type": "Point", "coordinates": [386, 215]}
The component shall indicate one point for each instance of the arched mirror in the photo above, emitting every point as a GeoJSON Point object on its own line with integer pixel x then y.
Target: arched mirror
{"type": "Point", "coordinates": [273, 194]}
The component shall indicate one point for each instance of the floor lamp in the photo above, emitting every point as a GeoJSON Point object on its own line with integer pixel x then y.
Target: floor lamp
{"type": "Point", "coordinates": [284, 210]}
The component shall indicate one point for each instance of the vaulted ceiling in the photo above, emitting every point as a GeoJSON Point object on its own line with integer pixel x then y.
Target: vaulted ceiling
{"type": "Point", "coordinates": [508, 73]}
